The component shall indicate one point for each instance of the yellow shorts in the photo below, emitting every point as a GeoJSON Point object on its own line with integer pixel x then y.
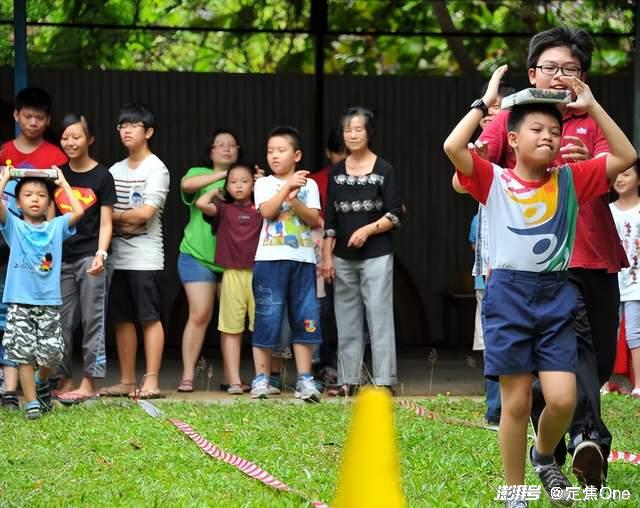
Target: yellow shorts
{"type": "Point", "coordinates": [236, 301]}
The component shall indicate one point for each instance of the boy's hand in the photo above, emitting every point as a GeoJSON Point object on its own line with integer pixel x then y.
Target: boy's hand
{"type": "Point", "coordinates": [574, 150]}
{"type": "Point", "coordinates": [491, 95]}
{"type": "Point", "coordinates": [61, 181]}
{"type": "Point", "coordinates": [297, 179]}
{"type": "Point", "coordinates": [481, 148]}
{"type": "Point", "coordinates": [293, 194]}
{"type": "Point", "coordinates": [584, 98]}
{"type": "Point", "coordinates": [6, 175]}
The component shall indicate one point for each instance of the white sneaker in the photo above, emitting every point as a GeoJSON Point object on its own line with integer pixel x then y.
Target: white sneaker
{"type": "Point", "coordinates": [306, 390]}
{"type": "Point", "coordinates": [260, 387]}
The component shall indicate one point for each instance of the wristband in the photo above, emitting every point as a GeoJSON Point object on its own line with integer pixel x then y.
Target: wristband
{"type": "Point", "coordinates": [102, 253]}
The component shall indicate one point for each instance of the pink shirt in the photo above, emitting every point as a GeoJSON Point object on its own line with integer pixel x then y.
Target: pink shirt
{"type": "Point", "coordinates": [597, 245]}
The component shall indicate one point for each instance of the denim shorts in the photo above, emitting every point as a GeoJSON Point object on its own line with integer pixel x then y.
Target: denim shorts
{"type": "Point", "coordinates": [277, 284]}
{"type": "Point", "coordinates": [527, 319]}
{"type": "Point", "coordinates": [192, 270]}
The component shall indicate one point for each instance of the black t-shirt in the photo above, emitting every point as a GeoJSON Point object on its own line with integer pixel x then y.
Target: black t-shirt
{"type": "Point", "coordinates": [355, 201]}
{"type": "Point", "coordinates": [94, 189]}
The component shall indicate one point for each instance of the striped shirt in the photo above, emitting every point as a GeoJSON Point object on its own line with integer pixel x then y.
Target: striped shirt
{"type": "Point", "coordinates": [148, 184]}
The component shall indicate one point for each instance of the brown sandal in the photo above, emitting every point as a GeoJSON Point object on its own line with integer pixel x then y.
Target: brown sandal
{"type": "Point", "coordinates": [119, 390]}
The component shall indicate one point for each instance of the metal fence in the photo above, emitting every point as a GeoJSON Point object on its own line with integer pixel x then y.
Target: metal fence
{"type": "Point", "coordinates": [413, 114]}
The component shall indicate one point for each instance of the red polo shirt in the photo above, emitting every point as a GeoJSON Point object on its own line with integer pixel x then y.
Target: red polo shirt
{"type": "Point", "coordinates": [597, 245]}
{"type": "Point", "coordinates": [322, 179]}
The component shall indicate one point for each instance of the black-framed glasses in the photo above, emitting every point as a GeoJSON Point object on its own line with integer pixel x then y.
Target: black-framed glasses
{"type": "Point", "coordinates": [551, 69]}
{"type": "Point", "coordinates": [129, 126]}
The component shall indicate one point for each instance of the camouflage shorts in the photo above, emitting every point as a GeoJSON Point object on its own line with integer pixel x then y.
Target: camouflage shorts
{"type": "Point", "coordinates": [33, 335]}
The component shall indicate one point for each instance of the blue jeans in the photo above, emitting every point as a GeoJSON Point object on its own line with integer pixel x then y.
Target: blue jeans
{"type": "Point", "coordinates": [290, 284]}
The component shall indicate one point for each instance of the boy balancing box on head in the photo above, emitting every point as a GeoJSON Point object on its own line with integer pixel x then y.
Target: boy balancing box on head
{"type": "Point", "coordinates": [33, 336]}
{"type": "Point", "coordinates": [284, 273]}
{"type": "Point", "coordinates": [28, 150]}
{"type": "Point", "coordinates": [528, 305]}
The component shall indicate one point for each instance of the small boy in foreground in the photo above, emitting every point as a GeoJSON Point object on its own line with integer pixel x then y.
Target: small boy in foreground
{"type": "Point", "coordinates": [33, 337]}
{"type": "Point", "coordinates": [529, 305]}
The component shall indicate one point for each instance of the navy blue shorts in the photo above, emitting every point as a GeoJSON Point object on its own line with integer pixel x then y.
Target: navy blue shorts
{"type": "Point", "coordinates": [280, 283]}
{"type": "Point", "coordinates": [527, 319]}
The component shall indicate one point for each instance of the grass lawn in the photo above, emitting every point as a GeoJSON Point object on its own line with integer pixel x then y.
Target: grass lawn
{"type": "Point", "coordinates": [113, 454]}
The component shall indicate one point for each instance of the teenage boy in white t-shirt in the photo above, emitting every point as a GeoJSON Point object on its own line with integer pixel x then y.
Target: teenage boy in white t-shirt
{"type": "Point", "coordinates": [142, 184]}
{"type": "Point", "coordinates": [284, 273]}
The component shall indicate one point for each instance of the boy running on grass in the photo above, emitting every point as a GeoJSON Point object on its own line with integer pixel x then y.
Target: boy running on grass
{"type": "Point", "coordinates": [529, 305]}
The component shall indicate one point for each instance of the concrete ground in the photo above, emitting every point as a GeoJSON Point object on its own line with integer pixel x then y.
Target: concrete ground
{"type": "Point", "coordinates": [421, 372]}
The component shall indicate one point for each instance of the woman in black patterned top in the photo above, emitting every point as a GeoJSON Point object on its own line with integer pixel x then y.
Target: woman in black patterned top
{"type": "Point", "coordinates": [363, 206]}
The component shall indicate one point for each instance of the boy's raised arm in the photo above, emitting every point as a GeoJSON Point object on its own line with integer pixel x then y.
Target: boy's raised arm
{"type": "Point", "coordinates": [622, 154]}
{"type": "Point", "coordinates": [3, 183]}
{"type": "Point", "coordinates": [76, 208]}
{"type": "Point", "coordinates": [455, 146]}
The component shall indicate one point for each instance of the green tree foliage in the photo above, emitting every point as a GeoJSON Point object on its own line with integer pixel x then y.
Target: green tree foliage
{"type": "Point", "coordinates": [182, 34]}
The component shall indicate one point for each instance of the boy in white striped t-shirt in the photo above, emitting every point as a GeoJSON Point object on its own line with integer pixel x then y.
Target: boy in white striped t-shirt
{"type": "Point", "coordinates": [142, 184]}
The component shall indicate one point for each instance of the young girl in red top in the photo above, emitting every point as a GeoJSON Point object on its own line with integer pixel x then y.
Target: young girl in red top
{"type": "Point", "coordinates": [238, 225]}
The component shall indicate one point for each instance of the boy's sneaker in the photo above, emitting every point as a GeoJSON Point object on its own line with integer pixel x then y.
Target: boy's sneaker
{"type": "Point", "coordinates": [587, 464]}
{"type": "Point", "coordinates": [516, 503]}
{"type": "Point", "coordinates": [554, 482]}
{"type": "Point", "coordinates": [43, 394]}
{"type": "Point", "coordinates": [260, 387]}
{"type": "Point", "coordinates": [10, 401]}
{"type": "Point", "coordinates": [306, 389]}
{"type": "Point", "coordinates": [33, 411]}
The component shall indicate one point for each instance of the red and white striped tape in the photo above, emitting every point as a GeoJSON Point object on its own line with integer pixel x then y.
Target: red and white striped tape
{"type": "Point", "coordinates": [241, 464]}
{"type": "Point", "coordinates": [614, 456]}
{"type": "Point", "coordinates": [628, 457]}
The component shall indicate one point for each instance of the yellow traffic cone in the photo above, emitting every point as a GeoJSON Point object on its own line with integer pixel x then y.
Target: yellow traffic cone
{"type": "Point", "coordinates": [370, 473]}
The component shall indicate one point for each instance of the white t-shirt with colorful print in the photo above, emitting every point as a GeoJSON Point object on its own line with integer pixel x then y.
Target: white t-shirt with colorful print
{"type": "Point", "coordinates": [628, 226]}
{"type": "Point", "coordinates": [287, 237]}
{"type": "Point", "coordinates": [531, 225]}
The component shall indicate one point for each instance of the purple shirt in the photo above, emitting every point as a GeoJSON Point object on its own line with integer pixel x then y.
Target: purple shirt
{"type": "Point", "coordinates": [238, 230]}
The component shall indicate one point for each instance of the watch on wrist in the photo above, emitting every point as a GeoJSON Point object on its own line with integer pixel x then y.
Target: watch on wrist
{"type": "Point", "coordinates": [479, 104]}
{"type": "Point", "coordinates": [102, 253]}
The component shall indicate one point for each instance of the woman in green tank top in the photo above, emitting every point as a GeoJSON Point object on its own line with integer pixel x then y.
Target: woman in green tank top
{"type": "Point", "coordinates": [198, 273]}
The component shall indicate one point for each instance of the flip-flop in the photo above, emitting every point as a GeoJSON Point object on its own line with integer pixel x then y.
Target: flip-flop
{"type": "Point", "coordinates": [119, 390]}
{"type": "Point", "coordinates": [245, 387]}
{"type": "Point", "coordinates": [186, 386]}
{"type": "Point", "coordinates": [147, 394]}
{"type": "Point", "coordinates": [75, 397]}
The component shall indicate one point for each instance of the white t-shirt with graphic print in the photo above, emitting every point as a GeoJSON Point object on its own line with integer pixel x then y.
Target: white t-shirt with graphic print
{"type": "Point", "coordinates": [628, 226]}
{"type": "Point", "coordinates": [531, 225]}
{"type": "Point", "coordinates": [287, 237]}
